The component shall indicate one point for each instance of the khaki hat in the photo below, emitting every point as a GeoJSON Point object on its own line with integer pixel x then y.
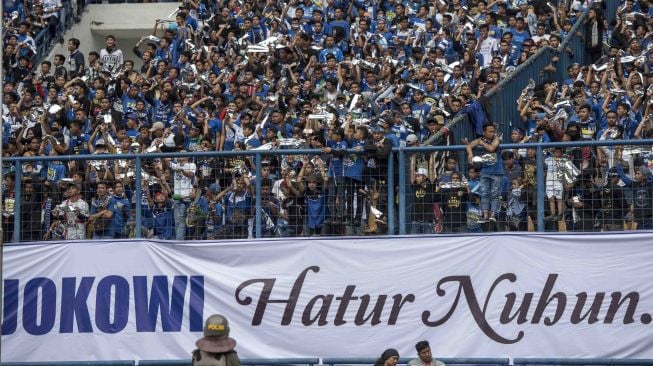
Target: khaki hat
{"type": "Point", "coordinates": [157, 126]}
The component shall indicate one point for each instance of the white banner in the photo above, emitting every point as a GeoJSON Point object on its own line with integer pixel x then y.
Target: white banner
{"type": "Point", "coordinates": [476, 296]}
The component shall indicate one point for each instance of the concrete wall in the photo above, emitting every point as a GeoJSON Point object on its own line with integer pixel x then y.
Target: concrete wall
{"type": "Point", "coordinates": [128, 22]}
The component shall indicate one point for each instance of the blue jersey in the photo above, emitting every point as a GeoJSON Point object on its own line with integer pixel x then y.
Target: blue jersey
{"type": "Point", "coordinates": [79, 144]}
{"type": "Point", "coordinates": [162, 111]}
{"type": "Point", "coordinates": [316, 208]}
{"type": "Point", "coordinates": [494, 168]}
{"type": "Point", "coordinates": [336, 166]}
{"type": "Point", "coordinates": [55, 171]}
{"type": "Point", "coordinates": [120, 216]}
{"type": "Point", "coordinates": [163, 221]}
{"type": "Point", "coordinates": [237, 203]}
{"type": "Point", "coordinates": [354, 163]}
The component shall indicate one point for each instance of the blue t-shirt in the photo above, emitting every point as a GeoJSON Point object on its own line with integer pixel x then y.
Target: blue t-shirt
{"type": "Point", "coordinates": [490, 168]}
{"type": "Point", "coordinates": [316, 208]}
{"type": "Point", "coordinates": [336, 166]}
{"type": "Point", "coordinates": [353, 163]}
{"type": "Point", "coordinates": [163, 221]}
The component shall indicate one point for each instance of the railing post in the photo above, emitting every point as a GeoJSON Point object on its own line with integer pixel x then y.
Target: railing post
{"type": "Point", "coordinates": [138, 197]}
{"type": "Point", "coordinates": [391, 193]}
{"type": "Point", "coordinates": [257, 220]}
{"type": "Point", "coordinates": [540, 188]}
{"type": "Point", "coordinates": [17, 200]}
{"type": "Point", "coordinates": [402, 192]}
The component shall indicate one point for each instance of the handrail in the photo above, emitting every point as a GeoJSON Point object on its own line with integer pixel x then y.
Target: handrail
{"type": "Point", "coordinates": [394, 165]}
{"type": "Point", "coordinates": [580, 22]}
{"type": "Point", "coordinates": [356, 361]}
{"type": "Point", "coordinates": [501, 102]}
{"type": "Point", "coordinates": [404, 361]}
{"type": "Point", "coordinates": [193, 154]}
{"type": "Point", "coordinates": [71, 363]}
{"type": "Point", "coordinates": [246, 361]}
{"type": "Point", "coordinates": [544, 145]}
{"type": "Point", "coordinates": [582, 361]}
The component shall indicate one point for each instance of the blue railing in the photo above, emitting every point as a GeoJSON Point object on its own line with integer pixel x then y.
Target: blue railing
{"type": "Point", "coordinates": [248, 361]}
{"type": "Point", "coordinates": [404, 361]}
{"type": "Point", "coordinates": [43, 39]}
{"type": "Point", "coordinates": [398, 162]}
{"type": "Point", "coordinates": [610, 11]}
{"type": "Point", "coordinates": [361, 361]}
{"type": "Point", "coordinates": [72, 363]}
{"type": "Point", "coordinates": [502, 98]}
{"type": "Point", "coordinates": [582, 361]}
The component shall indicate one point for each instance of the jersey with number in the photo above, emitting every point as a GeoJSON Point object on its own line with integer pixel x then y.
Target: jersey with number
{"type": "Point", "coordinates": [75, 225]}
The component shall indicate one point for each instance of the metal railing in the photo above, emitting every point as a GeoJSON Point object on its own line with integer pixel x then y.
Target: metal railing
{"type": "Point", "coordinates": [582, 361]}
{"type": "Point", "coordinates": [503, 96]}
{"type": "Point", "coordinates": [404, 361]}
{"type": "Point", "coordinates": [71, 363]}
{"type": "Point", "coordinates": [361, 361]}
{"type": "Point", "coordinates": [396, 178]}
{"type": "Point", "coordinates": [610, 10]}
{"type": "Point", "coordinates": [247, 361]}
{"type": "Point", "coordinates": [43, 39]}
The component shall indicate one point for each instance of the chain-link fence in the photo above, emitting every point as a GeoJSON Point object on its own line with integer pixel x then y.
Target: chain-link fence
{"type": "Point", "coordinates": [370, 189]}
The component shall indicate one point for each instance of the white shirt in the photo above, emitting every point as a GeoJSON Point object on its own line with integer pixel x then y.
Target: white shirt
{"type": "Point", "coordinates": [75, 228]}
{"type": "Point", "coordinates": [183, 185]}
{"type": "Point", "coordinates": [111, 61]}
{"type": "Point", "coordinates": [50, 5]}
{"type": "Point", "coordinates": [486, 48]}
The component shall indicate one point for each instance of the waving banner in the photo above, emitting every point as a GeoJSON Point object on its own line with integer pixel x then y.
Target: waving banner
{"type": "Point", "coordinates": [474, 296]}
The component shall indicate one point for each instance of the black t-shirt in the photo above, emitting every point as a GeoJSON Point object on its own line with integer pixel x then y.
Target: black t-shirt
{"type": "Point", "coordinates": [454, 205]}
{"type": "Point", "coordinates": [294, 207]}
{"type": "Point", "coordinates": [423, 199]}
{"type": "Point", "coordinates": [613, 204]}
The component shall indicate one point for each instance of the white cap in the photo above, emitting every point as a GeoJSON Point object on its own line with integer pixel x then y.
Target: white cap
{"type": "Point", "coordinates": [423, 172]}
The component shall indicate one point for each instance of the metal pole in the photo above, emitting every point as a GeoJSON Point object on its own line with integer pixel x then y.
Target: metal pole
{"type": "Point", "coordinates": [2, 234]}
{"type": "Point", "coordinates": [402, 192]}
{"type": "Point", "coordinates": [540, 188]}
{"type": "Point", "coordinates": [138, 197]}
{"type": "Point", "coordinates": [391, 193]}
{"type": "Point", "coordinates": [257, 220]}
{"type": "Point", "coordinates": [17, 200]}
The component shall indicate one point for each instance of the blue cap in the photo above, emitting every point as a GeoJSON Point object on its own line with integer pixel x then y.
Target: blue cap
{"type": "Point", "coordinates": [214, 187]}
{"type": "Point", "coordinates": [540, 115]}
{"type": "Point", "coordinates": [132, 116]}
{"type": "Point", "coordinates": [376, 129]}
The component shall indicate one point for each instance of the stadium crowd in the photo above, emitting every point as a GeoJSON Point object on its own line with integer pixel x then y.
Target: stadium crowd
{"type": "Point", "coordinates": [362, 75]}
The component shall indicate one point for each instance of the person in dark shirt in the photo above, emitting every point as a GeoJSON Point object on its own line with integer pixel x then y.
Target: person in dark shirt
{"type": "Point", "coordinates": [423, 199]}
{"type": "Point", "coordinates": [315, 195]}
{"type": "Point", "coordinates": [30, 204]}
{"type": "Point", "coordinates": [613, 203]}
{"type": "Point", "coordinates": [453, 197]}
{"type": "Point", "coordinates": [292, 209]}
{"type": "Point", "coordinates": [581, 202]}
{"type": "Point", "coordinates": [642, 186]}
{"type": "Point", "coordinates": [378, 151]}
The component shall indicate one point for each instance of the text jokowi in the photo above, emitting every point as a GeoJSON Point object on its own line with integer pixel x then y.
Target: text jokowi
{"type": "Point", "coordinates": [44, 305]}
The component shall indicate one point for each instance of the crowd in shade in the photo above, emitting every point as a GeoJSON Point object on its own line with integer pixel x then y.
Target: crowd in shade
{"type": "Point", "coordinates": [351, 79]}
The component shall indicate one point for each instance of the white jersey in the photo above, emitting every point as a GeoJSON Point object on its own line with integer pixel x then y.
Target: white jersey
{"type": "Point", "coordinates": [111, 61]}
{"type": "Point", "coordinates": [75, 227]}
{"type": "Point", "coordinates": [183, 185]}
{"type": "Point", "coordinates": [487, 49]}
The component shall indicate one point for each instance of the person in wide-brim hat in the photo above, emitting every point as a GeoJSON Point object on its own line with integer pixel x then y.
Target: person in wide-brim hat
{"type": "Point", "coordinates": [216, 343]}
